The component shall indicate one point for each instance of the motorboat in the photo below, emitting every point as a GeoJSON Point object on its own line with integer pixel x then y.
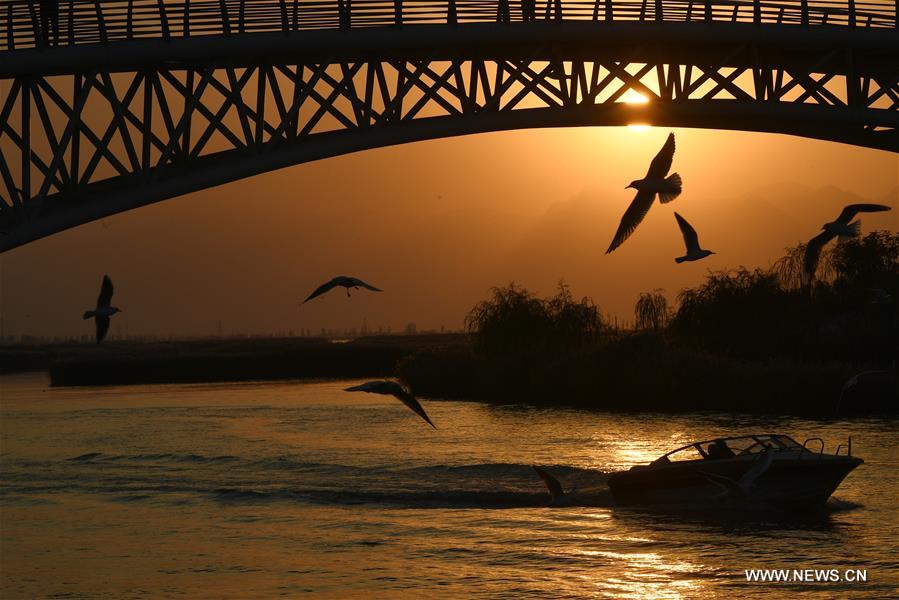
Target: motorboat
{"type": "Point", "coordinates": [770, 470]}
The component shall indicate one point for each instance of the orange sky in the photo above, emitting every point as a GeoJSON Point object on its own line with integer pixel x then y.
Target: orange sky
{"type": "Point", "coordinates": [436, 224]}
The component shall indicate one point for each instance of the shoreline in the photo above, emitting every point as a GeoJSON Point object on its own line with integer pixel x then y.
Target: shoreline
{"type": "Point", "coordinates": [610, 376]}
{"type": "Point", "coordinates": [215, 360]}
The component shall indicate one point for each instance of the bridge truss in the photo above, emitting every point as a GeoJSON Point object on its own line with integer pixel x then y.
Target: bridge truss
{"type": "Point", "coordinates": [91, 127]}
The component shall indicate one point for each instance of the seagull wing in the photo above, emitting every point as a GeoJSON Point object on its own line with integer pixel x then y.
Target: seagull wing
{"type": "Point", "coordinates": [850, 383]}
{"type": "Point", "coordinates": [106, 291]}
{"type": "Point", "coordinates": [855, 379]}
{"type": "Point", "coordinates": [661, 164]}
{"type": "Point", "coordinates": [632, 217]}
{"type": "Point", "coordinates": [853, 209]}
{"type": "Point", "coordinates": [372, 387]}
{"type": "Point", "coordinates": [325, 287]}
{"type": "Point", "coordinates": [758, 468]}
{"type": "Point", "coordinates": [409, 400]}
{"type": "Point", "coordinates": [392, 388]}
{"type": "Point", "coordinates": [361, 283]}
{"type": "Point", "coordinates": [552, 484]}
{"type": "Point", "coordinates": [102, 324]}
{"type": "Point", "coordinates": [691, 240]}
{"type": "Point", "coordinates": [813, 253]}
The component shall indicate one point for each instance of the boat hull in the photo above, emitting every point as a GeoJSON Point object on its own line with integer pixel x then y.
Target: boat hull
{"type": "Point", "coordinates": [789, 483]}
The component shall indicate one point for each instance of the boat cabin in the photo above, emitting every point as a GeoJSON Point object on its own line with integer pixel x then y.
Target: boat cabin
{"type": "Point", "coordinates": [729, 447]}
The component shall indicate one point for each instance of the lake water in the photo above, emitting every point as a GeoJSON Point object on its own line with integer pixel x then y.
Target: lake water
{"type": "Point", "coordinates": [260, 490]}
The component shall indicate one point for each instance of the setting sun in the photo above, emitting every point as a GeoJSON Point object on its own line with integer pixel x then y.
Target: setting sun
{"type": "Point", "coordinates": [632, 97]}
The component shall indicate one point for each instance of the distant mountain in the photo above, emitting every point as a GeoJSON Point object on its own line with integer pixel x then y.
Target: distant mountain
{"type": "Point", "coordinates": [773, 217]}
{"type": "Point", "coordinates": [891, 197]}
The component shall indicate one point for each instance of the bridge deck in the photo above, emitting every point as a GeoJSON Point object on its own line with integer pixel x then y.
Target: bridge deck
{"type": "Point", "coordinates": [29, 24]}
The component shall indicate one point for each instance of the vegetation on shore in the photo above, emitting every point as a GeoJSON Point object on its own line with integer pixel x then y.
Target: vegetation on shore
{"type": "Point", "coordinates": [742, 341]}
{"type": "Point", "coordinates": [748, 341]}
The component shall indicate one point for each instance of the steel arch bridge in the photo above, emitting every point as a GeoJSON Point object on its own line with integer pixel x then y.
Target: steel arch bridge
{"type": "Point", "coordinates": [108, 105]}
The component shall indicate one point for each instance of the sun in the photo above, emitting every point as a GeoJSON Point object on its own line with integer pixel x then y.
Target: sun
{"type": "Point", "coordinates": [632, 97]}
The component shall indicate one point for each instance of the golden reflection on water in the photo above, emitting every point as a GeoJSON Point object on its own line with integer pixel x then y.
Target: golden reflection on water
{"type": "Point", "coordinates": [653, 576]}
{"type": "Point", "coordinates": [270, 489]}
{"type": "Point", "coordinates": [621, 450]}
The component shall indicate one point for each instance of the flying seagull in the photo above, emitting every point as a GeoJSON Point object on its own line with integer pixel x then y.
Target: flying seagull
{"type": "Point", "coordinates": [101, 314]}
{"type": "Point", "coordinates": [691, 241]}
{"type": "Point", "coordinates": [344, 281]}
{"type": "Point", "coordinates": [745, 485]}
{"type": "Point", "coordinates": [392, 388]}
{"type": "Point", "coordinates": [552, 484]}
{"type": "Point", "coordinates": [876, 375]}
{"type": "Point", "coordinates": [842, 227]}
{"type": "Point", "coordinates": [655, 182]}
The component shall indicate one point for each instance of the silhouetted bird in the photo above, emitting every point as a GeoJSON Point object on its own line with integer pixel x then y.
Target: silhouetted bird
{"type": "Point", "coordinates": [655, 182]}
{"type": "Point", "coordinates": [745, 485]}
{"type": "Point", "coordinates": [876, 376]}
{"type": "Point", "coordinates": [691, 241]}
{"type": "Point", "coordinates": [344, 281]}
{"type": "Point", "coordinates": [392, 388]}
{"type": "Point", "coordinates": [101, 314]}
{"type": "Point", "coordinates": [552, 484]}
{"type": "Point", "coordinates": [842, 227]}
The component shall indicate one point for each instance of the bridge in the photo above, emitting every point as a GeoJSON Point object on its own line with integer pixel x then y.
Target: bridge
{"type": "Point", "coordinates": [108, 105]}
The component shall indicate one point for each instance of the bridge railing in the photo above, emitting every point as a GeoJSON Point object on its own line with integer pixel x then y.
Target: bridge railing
{"type": "Point", "coordinates": [43, 23]}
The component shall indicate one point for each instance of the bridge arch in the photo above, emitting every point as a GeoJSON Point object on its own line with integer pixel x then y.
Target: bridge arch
{"type": "Point", "coordinates": [91, 129]}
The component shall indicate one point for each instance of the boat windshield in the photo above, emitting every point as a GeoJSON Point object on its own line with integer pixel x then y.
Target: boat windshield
{"type": "Point", "coordinates": [729, 447]}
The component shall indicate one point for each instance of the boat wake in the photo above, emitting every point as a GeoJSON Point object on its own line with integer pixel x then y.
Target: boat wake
{"type": "Point", "coordinates": [179, 478]}
{"type": "Point", "coordinates": [491, 485]}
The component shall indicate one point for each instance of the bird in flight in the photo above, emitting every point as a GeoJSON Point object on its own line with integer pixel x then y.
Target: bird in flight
{"type": "Point", "coordinates": [691, 241]}
{"type": "Point", "coordinates": [656, 181]}
{"type": "Point", "coordinates": [843, 227]}
{"type": "Point", "coordinates": [553, 486]}
{"type": "Point", "coordinates": [104, 310]}
{"type": "Point", "coordinates": [343, 281]}
{"type": "Point", "coordinates": [874, 376]}
{"type": "Point", "coordinates": [392, 388]}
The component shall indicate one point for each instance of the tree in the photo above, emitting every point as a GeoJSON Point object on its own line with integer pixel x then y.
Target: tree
{"type": "Point", "coordinates": [651, 310]}
{"type": "Point", "coordinates": [514, 318]}
{"type": "Point", "coordinates": [871, 261]}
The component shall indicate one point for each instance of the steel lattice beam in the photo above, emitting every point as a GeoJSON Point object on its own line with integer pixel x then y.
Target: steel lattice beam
{"type": "Point", "coordinates": [80, 144]}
